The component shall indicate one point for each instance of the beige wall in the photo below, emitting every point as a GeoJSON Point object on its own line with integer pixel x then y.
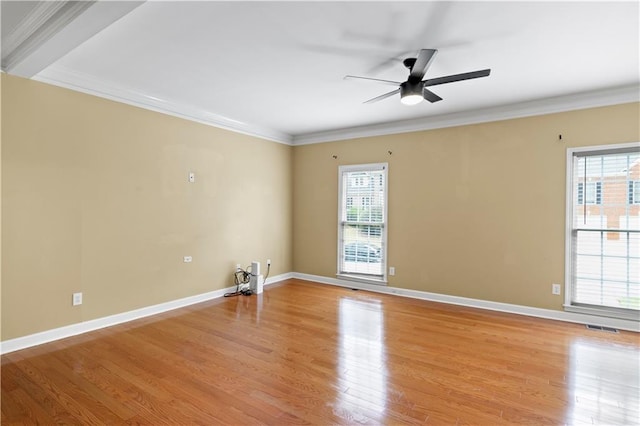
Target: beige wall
{"type": "Point", "coordinates": [475, 211]}
{"type": "Point", "coordinates": [95, 199]}
{"type": "Point", "coordinates": [1, 209]}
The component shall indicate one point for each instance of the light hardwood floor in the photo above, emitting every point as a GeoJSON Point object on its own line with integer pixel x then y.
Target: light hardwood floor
{"type": "Point", "coordinates": [305, 353]}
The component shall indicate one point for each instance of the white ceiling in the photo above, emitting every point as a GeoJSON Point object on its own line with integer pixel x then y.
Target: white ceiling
{"type": "Point", "coordinates": [275, 69]}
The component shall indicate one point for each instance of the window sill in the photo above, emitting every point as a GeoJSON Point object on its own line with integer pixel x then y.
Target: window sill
{"type": "Point", "coordinates": [362, 279]}
{"type": "Point", "coordinates": [625, 314]}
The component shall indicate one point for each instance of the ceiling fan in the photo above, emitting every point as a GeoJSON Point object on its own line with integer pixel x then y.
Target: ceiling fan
{"type": "Point", "coordinates": [414, 90]}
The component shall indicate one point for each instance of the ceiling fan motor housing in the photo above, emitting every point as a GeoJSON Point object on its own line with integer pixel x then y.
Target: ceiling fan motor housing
{"type": "Point", "coordinates": [409, 88]}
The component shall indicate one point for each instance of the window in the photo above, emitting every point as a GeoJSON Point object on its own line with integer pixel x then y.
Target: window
{"type": "Point", "coordinates": [349, 202]}
{"type": "Point", "coordinates": [634, 192]}
{"type": "Point", "coordinates": [359, 179]}
{"type": "Point", "coordinates": [603, 231]}
{"type": "Point", "coordinates": [362, 235]}
{"type": "Point", "coordinates": [593, 193]}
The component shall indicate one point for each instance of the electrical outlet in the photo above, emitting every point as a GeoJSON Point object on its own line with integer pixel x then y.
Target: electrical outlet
{"type": "Point", "coordinates": [192, 177]}
{"type": "Point", "coordinates": [187, 259]}
{"type": "Point", "coordinates": [268, 262]}
{"type": "Point", "coordinates": [555, 289]}
{"type": "Point", "coordinates": [238, 267]}
{"type": "Point", "coordinates": [392, 270]}
{"type": "Point", "coordinates": [77, 299]}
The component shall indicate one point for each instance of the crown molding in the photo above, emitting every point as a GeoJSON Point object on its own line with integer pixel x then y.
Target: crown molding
{"type": "Point", "coordinates": [60, 76]}
{"type": "Point", "coordinates": [63, 77]}
{"type": "Point", "coordinates": [592, 99]}
{"type": "Point", "coordinates": [52, 29]}
{"type": "Point", "coordinates": [30, 24]}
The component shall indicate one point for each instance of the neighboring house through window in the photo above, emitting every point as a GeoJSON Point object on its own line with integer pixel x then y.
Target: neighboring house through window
{"type": "Point", "coordinates": [593, 193]}
{"type": "Point", "coordinates": [603, 231]}
{"type": "Point", "coordinates": [362, 219]}
{"type": "Point", "coordinates": [349, 202]}
{"type": "Point", "coordinates": [634, 192]}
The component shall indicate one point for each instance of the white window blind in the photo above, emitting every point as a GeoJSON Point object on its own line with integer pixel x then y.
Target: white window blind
{"type": "Point", "coordinates": [604, 258]}
{"type": "Point", "coordinates": [362, 221]}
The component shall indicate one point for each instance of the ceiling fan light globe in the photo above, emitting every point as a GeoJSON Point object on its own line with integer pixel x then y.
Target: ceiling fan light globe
{"type": "Point", "coordinates": [411, 99]}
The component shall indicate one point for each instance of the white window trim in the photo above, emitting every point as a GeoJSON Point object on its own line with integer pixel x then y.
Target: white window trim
{"type": "Point", "coordinates": [568, 258]}
{"type": "Point", "coordinates": [355, 277]}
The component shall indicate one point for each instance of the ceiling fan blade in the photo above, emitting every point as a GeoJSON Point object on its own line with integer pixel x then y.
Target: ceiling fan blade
{"type": "Point", "coordinates": [430, 96]}
{"type": "Point", "coordinates": [423, 61]}
{"type": "Point", "coordinates": [355, 77]}
{"type": "Point", "coordinates": [456, 77]}
{"type": "Point", "coordinates": [381, 97]}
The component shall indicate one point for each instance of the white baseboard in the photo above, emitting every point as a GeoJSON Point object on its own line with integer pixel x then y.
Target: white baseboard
{"type": "Point", "coordinates": [621, 324]}
{"type": "Point", "coordinates": [96, 324]}
{"type": "Point", "coordinates": [86, 326]}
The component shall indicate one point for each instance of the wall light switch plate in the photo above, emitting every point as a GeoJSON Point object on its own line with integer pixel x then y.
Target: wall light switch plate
{"type": "Point", "coordinates": [77, 299]}
{"type": "Point", "coordinates": [192, 177]}
{"type": "Point", "coordinates": [392, 270]}
{"type": "Point", "coordinates": [188, 259]}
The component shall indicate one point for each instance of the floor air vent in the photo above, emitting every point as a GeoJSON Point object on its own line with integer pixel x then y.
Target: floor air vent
{"type": "Point", "coordinates": [601, 328]}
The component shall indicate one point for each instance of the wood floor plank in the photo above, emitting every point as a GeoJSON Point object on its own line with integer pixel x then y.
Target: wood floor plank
{"type": "Point", "coordinates": [306, 353]}
{"type": "Point", "coordinates": [40, 396]}
{"type": "Point", "coordinates": [12, 410]}
{"type": "Point", "coordinates": [31, 409]}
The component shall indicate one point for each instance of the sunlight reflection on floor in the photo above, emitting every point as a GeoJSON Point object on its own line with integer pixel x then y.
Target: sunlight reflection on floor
{"type": "Point", "coordinates": [604, 382]}
{"type": "Point", "coordinates": [362, 369]}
